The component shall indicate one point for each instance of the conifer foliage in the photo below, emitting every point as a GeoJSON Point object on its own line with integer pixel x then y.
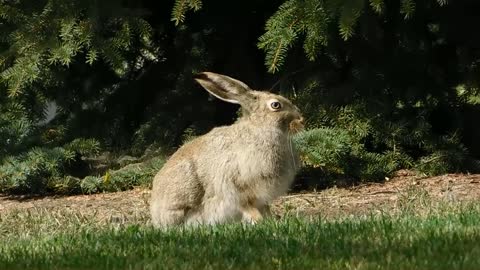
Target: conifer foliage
{"type": "Point", "coordinates": [312, 21]}
{"type": "Point", "coordinates": [40, 41]}
{"type": "Point", "coordinates": [181, 7]}
{"type": "Point", "coordinates": [94, 94]}
{"type": "Point", "coordinates": [44, 35]}
{"type": "Point", "coordinates": [368, 86]}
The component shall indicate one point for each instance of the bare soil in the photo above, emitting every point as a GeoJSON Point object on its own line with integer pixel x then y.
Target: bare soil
{"type": "Point", "coordinates": [358, 200]}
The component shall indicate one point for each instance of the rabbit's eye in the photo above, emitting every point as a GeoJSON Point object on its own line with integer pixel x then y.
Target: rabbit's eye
{"type": "Point", "coordinates": [275, 105]}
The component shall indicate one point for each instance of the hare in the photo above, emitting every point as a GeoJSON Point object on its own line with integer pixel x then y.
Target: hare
{"type": "Point", "coordinates": [233, 172]}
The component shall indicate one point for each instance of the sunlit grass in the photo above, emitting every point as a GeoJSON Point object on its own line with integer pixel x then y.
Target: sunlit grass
{"type": "Point", "coordinates": [447, 238]}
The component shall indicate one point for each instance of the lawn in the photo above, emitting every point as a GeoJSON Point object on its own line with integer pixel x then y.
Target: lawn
{"type": "Point", "coordinates": [447, 237]}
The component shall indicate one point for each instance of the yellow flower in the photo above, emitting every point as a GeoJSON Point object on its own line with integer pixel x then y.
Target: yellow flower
{"type": "Point", "coordinates": [106, 177]}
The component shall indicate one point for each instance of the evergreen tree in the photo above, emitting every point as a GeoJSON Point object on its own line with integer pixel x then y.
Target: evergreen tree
{"type": "Point", "coordinates": [42, 42]}
{"type": "Point", "coordinates": [90, 91]}
{"type": "Point", "coordinates": [385, 72]}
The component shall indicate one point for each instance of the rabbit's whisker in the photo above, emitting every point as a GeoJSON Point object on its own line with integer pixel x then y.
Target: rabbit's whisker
{"type": "Point", "coordinates": [290, 143]}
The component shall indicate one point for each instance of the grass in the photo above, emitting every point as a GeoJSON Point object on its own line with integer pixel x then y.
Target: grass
{"type": "Point", "coordinates": [447, 237]}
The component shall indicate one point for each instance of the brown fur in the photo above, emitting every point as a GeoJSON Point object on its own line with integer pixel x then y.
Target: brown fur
{"type": "Point", "coordinates": [233, 172]}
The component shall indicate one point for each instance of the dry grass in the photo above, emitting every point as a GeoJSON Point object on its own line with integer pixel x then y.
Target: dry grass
{"type": "Point", "coordinates": [396, 195]}
{"type": "Point", "coordinates": [393, 195]}
{"type": "Point", "coordinates": [416, 223]}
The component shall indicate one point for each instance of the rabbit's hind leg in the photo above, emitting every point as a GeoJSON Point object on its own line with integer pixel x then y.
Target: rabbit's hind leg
{"type": "Point", "coordinates": [163, 216]}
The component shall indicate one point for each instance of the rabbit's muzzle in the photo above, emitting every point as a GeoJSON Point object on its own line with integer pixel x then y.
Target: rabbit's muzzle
{"type": "Point", "coordinates": [297, 125]}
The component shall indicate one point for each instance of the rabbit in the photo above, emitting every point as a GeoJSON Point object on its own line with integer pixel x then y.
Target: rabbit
{"type": "Point", "coordinates": [232, 173]}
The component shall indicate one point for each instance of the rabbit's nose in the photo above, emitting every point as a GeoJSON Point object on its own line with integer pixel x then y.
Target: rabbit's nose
{"type": "Point", "coordinates": [301, 120]}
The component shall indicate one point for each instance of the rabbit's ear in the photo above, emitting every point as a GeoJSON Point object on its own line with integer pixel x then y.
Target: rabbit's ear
{"type": "Point", "coordinates": [223, 87]}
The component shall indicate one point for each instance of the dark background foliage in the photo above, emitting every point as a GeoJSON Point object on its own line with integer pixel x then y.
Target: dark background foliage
{"type": "Point", "coordinates": [95, 94]}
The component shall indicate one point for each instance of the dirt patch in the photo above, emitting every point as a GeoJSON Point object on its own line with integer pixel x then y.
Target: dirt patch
{"type": "Point", "coordinates": [358, 200]}
{"type": "Point", "coordinates": [399, 192]}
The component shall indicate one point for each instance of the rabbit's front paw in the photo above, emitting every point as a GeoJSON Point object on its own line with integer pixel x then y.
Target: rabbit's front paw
{"type": "Point", "coordinates": [251, 215]}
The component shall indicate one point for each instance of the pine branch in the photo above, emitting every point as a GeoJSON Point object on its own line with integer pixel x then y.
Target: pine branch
{"type": "Point", "coordinates": [311, 18]}
{"type": "Point", "coordinates": [23, 73]}
{"type": "Point", "coordinates": [442, 2]}
{"type": "Point", "coordinates": [378, 5]}
{"type": "Point", "coordinates": [315, 25]}
{"type": "Point", "coordinates": [56, 33]}
{"type": "Point", "coordinates": [349, 15]}
{"type": "Point", "coordinates": [407, 8]}
{"type": "Point", "coordinates": [282, 30]}
{"type": "Point", "coordinates": [11, 14]}
{"type": "Point", "coordinates": [181, 7]}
